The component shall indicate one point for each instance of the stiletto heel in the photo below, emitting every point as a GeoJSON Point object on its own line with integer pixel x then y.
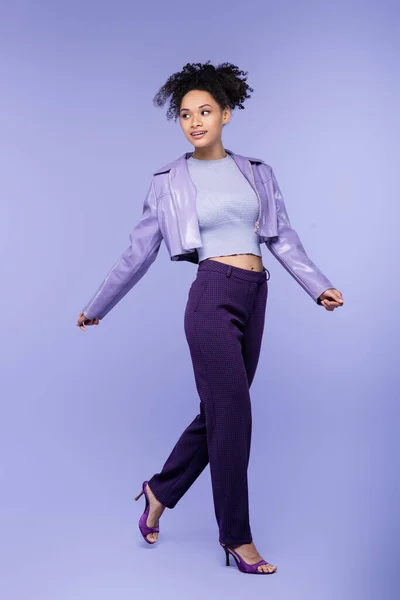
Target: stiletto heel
{"type": "Point", "coordinates": [145, 529]}
{"type": "Point", "coordinates": [242, 565]}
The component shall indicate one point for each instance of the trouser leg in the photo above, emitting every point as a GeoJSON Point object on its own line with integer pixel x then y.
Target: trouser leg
{"type": "Point", "coordinates": [188, 459]}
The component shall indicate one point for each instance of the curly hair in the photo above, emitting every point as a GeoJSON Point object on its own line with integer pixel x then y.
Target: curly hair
{"type": "Point", "coordinates": [226, 83]}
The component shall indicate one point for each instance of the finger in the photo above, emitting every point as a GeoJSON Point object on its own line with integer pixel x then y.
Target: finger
{"type": "Point", "coordinates": [333, 305]}
{"type": "Point", "coordinates": [327, 304]}
{"type": "Point", "coordinates": [334, 295]}
{"type": "Point", "coordinates": [337, 296]}
{"type": "Point", "coordinates": [331, 298]}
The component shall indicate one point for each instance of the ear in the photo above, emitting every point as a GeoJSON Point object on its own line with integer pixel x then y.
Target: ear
{"type": "Point", "coordinates": [226, 115]}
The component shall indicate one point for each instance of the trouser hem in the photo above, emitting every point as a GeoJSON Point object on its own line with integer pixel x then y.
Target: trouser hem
{"type": "Point", "coordinates": [160, 496]}
{"type": "Point", "coordinates": [236, 542]}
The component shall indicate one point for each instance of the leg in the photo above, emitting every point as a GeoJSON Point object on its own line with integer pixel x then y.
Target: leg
{"type": "Point", "coordinates": [251, 346]}
{"type": "Point", "coordinates": [214, 329]}
{"type": "Point", "coordinates": [187, 460]}
{"type": "Point", "coordinates": [190, 455]}
{"type": "Point", "coordinates": [253, 333]}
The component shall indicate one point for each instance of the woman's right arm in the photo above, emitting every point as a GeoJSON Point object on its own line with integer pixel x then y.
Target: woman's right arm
{"type": "Point", "coordinates": [130, 267]}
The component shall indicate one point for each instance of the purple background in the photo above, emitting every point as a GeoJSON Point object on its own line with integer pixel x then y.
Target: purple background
{"type": "Point", "coordinates": [86, 417]}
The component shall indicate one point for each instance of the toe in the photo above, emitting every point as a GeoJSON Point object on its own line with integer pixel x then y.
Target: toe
{"type": "Point", "coordinates": [268, 568]}
{"type": "Point", "coordinates": [271, 568]}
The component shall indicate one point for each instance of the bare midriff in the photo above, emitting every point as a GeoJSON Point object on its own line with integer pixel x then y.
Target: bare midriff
{"type": "Point", "coordinates": [252, 262]}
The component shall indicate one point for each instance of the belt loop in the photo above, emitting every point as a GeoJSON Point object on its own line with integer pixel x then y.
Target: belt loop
{"type": "Point", "coordinates": [269, 274]}
{"type": "Point", "coordinates": [229, 271]}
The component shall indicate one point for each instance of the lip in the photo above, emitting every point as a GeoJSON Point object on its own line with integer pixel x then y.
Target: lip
{"type": "Point", "coordinates": [197, 136]}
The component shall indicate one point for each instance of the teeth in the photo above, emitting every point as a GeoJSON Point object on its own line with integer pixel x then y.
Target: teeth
{"type": "Point", "coordinates": [198, 133]}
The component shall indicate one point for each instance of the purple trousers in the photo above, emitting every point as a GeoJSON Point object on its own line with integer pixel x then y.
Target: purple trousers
{"type": "Point", "coordinates": [224, 323]}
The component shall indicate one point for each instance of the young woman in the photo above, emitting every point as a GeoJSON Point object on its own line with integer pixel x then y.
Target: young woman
{"type": "Point", "coordinates": [214, 208]}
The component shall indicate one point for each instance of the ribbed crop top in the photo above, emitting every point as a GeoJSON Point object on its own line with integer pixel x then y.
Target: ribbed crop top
{"type": "Point", "coordinates": [227, 208]}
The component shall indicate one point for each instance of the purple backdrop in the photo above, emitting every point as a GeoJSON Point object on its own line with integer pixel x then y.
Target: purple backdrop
{"type": "Point", "coordinates": [86, 417]}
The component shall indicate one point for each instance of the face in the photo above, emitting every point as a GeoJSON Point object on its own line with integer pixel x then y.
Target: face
{"type": "Point", "coordinates": [201, 112]}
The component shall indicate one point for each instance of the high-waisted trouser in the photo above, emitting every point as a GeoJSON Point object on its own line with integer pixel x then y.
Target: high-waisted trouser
{"type": "Point", "coordinates": [224, 323]}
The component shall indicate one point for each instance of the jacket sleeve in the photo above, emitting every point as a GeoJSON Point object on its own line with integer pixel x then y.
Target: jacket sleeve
{"type": "Point", "coordinates": [130, 267]}
{"type": "Point", "coordinates": [289, 251]}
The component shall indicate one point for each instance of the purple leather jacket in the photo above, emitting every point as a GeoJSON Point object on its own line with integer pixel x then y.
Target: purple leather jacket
{"type": "Point", "coordinates": [169, 213]}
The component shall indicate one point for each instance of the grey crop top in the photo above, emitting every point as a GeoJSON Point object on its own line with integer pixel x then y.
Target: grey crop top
{"type": "Point", "coordinates": [227, 208]}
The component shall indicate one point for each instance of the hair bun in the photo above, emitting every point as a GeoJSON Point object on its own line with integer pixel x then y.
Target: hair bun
{"type": "Point", "coordinates": [209, 70]}
{"type": "Point", "coordinates": [226, 83]}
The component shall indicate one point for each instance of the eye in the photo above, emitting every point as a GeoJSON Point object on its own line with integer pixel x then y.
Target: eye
{"type": "Point", "coordinates": [203, 111]}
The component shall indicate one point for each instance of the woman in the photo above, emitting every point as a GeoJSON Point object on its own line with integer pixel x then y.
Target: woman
{"type": "Point", "coordinates": [235, 203]}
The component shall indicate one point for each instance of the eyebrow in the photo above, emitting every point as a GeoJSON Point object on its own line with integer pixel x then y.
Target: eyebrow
{"type": "Point", "coordinates": [201, 106]}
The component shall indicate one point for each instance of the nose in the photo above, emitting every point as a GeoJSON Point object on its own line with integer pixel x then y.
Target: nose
{"type": "Point", "coordinates": [196, 121]}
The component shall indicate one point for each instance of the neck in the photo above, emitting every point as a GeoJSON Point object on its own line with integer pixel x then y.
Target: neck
{"type": "Point", "coordinates": [210, 152]}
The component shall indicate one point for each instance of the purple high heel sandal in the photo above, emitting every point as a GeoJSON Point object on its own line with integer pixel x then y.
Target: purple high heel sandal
{"type": "Point", "coordinates": [145, 529]}
{"type": "Point", "coordinates": [243, 565]}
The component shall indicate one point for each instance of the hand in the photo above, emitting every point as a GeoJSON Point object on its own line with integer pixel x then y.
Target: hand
{"type": "Point", "coordinates": [331, 299]}
{"type": "Point", "coordinates": [82, 321]}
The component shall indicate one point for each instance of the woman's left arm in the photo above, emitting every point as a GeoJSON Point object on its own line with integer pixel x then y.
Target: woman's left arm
{"type": "Point", "coordinates": [289, 251]}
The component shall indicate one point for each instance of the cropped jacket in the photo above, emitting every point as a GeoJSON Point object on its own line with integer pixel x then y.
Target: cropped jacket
{"type": "Point", "coordinates": [169, 214]}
